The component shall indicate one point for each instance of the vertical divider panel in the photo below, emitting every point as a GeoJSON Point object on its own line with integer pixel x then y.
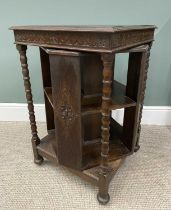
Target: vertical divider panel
{"type": "Point", "coordinates": [133, 90]}
{"type": "Point", "coordinates": [91, 75]}
{"type": "Point", "coordinates": [45, 66]}
{"type": "Point", "coordinates": [66, 93]}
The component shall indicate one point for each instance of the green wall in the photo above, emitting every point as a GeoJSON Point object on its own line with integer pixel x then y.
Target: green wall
{"type": "Point", "coordinates": [76, 12]}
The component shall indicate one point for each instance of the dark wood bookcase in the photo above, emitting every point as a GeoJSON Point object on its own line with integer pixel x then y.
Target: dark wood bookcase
{"type": "Point", "coordinates": [80, 92]}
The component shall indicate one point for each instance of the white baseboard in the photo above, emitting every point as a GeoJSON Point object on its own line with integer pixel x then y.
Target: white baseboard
{"type": "Point", "coordinates": [19, 112]}
{"type": "Point", "coordinates": [152, 115]}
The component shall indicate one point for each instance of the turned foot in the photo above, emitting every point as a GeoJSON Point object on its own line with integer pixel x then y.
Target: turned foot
{"type": "Point", "coordinates": [38, 161]}
{"type": "Point", "coordinates": [103, 200]}
{"type": "Point", "coordinates": [137, 147]}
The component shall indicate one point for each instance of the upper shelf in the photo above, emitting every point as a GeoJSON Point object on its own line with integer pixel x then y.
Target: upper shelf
{"type": "Point", "coordinates": [119, 99]}
{"type": "Point", "coordinates": [48, 93]}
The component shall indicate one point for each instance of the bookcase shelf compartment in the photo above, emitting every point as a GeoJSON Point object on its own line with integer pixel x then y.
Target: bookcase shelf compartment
{"type": "Point", "coordinates": [119, 99]}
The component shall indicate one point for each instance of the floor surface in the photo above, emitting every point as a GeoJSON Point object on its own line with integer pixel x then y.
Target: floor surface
{"type": "Point", "coordinates": [143, 181]}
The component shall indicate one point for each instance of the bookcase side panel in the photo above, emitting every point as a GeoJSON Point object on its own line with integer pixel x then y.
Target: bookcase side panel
{"type": "Point", "coordinates": [45, 67]}
{"type": "Point", "coordinates": [133, 90]}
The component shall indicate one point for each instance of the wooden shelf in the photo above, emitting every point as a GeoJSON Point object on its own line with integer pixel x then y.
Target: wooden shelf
{"type": "Point", "coordinates": [91, 153]}
{"type": "Point", "coordinates": [48, 93]}
{"type": "Point", "coordinates": [89, 99]}
{"type": "Point", "coordinates": [119, 100]}
{"type": "Point", "coordinates": [93, 172]}
{"type": "Point", "coordinates": [46, 148]}
{"type": "Point", "coordinates": [91, 150]}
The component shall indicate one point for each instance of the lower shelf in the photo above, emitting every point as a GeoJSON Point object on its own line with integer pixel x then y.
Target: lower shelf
{"type": "Point", "coordinates": [117, 149]}
{"type": "Point", "coordinates": [90, 151]}
{"type": "Point", "coordinates": [47, 147]}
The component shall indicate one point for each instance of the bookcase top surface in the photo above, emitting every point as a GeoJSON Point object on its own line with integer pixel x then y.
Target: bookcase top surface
{"type": "Point", "coordinates": [86, 28]}
{"type": "Point", "coordinates": [85, 38]}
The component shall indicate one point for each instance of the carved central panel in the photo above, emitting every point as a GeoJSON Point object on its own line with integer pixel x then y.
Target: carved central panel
{"type": "Point", "coordinates": [66, 112]}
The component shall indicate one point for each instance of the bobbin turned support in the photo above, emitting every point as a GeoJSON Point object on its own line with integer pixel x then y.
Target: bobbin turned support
{"type": "Point", "coordinates": [27, 85]}
{"type": "Point", "coordinates": [108, 65]}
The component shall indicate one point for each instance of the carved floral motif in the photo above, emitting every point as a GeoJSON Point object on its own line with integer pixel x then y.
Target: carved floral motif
{"type": "Point", "coordinates": [65, 110]}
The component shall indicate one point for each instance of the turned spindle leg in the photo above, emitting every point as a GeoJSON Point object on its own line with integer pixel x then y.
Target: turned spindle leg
{"type": "Point", "coordinates": [25, 71]}
{"type": "Point", "coordinates": [108, 61]}
{"type": "Point", "coordinates": [142, 96]}
{"type": "Point", "coordinates": [103, 195]}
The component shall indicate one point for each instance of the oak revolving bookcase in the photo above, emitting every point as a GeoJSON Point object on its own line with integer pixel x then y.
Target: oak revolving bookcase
{"type": "Point", "coordinates": [80, 91]}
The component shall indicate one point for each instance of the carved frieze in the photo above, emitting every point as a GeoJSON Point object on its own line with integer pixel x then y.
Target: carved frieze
{"type": "Point", "coordinates": [70, 39]}
{"type": "Point", "coordinates": [130, 38]}
{"type": "Point", "coordinates": [101, 42]}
